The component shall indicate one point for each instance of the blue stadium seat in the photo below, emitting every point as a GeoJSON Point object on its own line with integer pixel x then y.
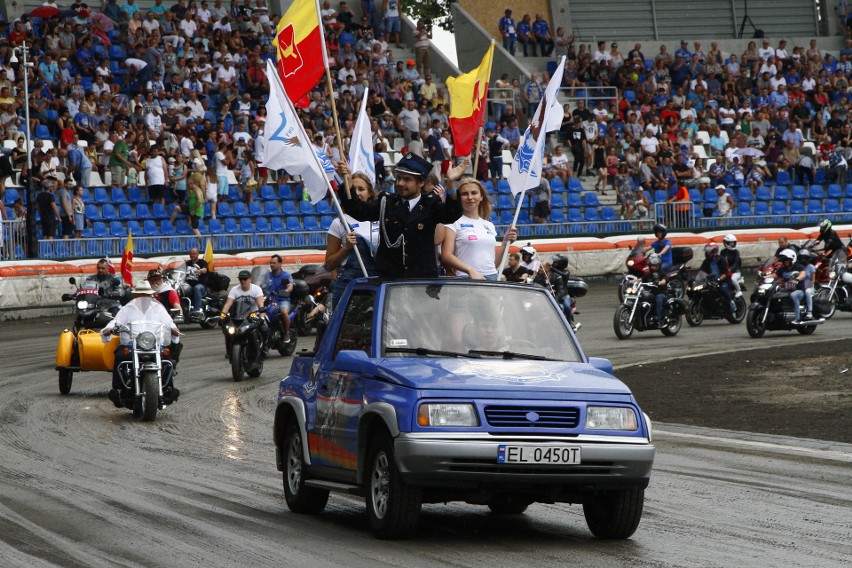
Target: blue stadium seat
{"type": "Point", "coordinates": [523, 217]}
{"type": "Point", "coordinates": [779, 208]}
{"type": "Point", "coordinates": [507, 216]}
{"type": "Point", "coordinates": [306, 208]}
{"type": "Point", "coordinates": [847, 205]}
{"type": "Point", "coordinates": [817, 192]}
{"type": "Point", "coordinates": [575, 200]}
{"type": "Point", "coordinates": [118, 195]}
{"type": "Point", "coordinates": [710, 195]}
{"type": "Point", "coordinates": [271, 208]}
{"type": "Point", "coordinates": [99, 229]}
{"type": "Point", "coordinates": [556, 184]}
{"type": "Point", "coordinates": [182, 226]}
{"type": "Point", "coordinates": [134, 194]}
{"type": "Point", "coordinates": [135, 228]}
{"type": "Point", "coordinates": [142, 211]}
{"type": "Point", "coordinates": [783, 178]}
{"type": "Point", "coordinates": [117, 229]}
{"type": "Point", "coordinates": [159, 211]}
{"type": "Point", "coordinates": [591, 214]}
{"type": "Point", "coordinates": [286, 192]}
{"type": "Point", "coordinates": [835, 191]}
{"type": "Point", "coordinates": [125, 211]}
{"type": "Point", "coordinates": [231, 226]}
{"type": "Point", "coordinates": [575, 215]}
{"type": "Point", "coordinates": [101, 195]}
{"type": "Point", "coordinates": [744, 194]}
{"type": "Point", "coordinates": [100, 52]}
{"type": "Point", "coordinates": [276, 225]}
{"type": "Point", "coordinates": [150, 228]}
{"type": "Point", "coordinates": [557, 200]}
{"type": "Point", "coordinates": [116, 51]}
{"type": "Point", "coordinates": [312, 223]}
{"type": "Point", "coordinates": [240, 209]}
{"type": "Point", "coordinates": [503, 186]}
{"type": "Point", "coordinates": [323, 208]}
{"type": "Point", "coordinates": [255, 209]}
{"type": "Point", "coordinates": [590, 199]}
{"type": "Point", "coordinates": [41, 131]}
{"type": "Point", "coordinates": [289, 208]}
{"type": "Point", "coordinates": [695, 196]}
{"type": "Point", "coordinates": [659, 196]}
{"type": "Point", "coordinates": [574, 184]}
{"type": "Point", "coordinates": [108, 212]}
{"type": "Point", "coordinates": [814, 206]}
{"type": "Point", "coordinates": [234, 193]}
{"type": "Point", "coordinates": [819, 177]}
{"type": "Point", "coordinates": [246, 225]}
{"type": "Point", "coordinates": [504, 202]}
{"type": "Point", "coordinates": [608, 214]}
{"type": "Point", "coordinates": [293, 224]}
{"type": "Point", "coordinates": [223, 209]}
{"type": "Point", "coordinates": [92, 212]}
{"type": "Point", "coordinates": [744, 208]}
{"type": "Point", "coordinates": [799, 192]}
{"type": "Point", "coordinates": [11, 195]}
{"type": "Point", "coordinates": [261, 225]}
{"type": "Point", "coordinates": [557, 215]}
{"type": "Point", "coordinates": [166, 228]}
{"type": "Point", "coordinates": [214, 226]}
{"type": "Point", "coordinates": [832, 206]}
{"type": "Point", "coordinates": [761, 208]}
{"type": "Point", "coordinates": [797, 207]}
{"type": "Point", "coordinates": [268, 192]}
{"type": "Point", "coordinates": [327, 220]}
{"type": "Point", "coordinates": [782, 193]}
{"type": "Point", "coordinates": [763, 193]}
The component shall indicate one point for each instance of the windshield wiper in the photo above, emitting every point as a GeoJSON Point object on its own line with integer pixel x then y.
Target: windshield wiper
{"type": "Point", "coordinates": [509, 355]}
{"type": "Point", "coordinates": [424, 352]}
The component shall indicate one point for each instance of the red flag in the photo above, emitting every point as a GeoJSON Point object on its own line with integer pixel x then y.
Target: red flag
{"type": "Point", "coordinates": [300, 49]}
{"type": "Point", "coordinates": [468, 103]}
{"type": "Point", "coordinates": [127, 261]}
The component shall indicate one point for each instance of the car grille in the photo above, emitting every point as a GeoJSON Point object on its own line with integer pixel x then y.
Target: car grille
{"type": "Point", "coordinates": [532, 417]}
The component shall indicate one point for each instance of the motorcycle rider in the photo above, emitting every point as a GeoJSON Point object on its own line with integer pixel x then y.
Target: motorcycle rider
{"type": "Point", "coordinates": [278, 284]}
{"type": "Point", "coordinates": [196, 276]}
{"type": "Point", "coordinates": [785, 271]}
{"type": "Point", "coordinates": [559, 284]}
{"type": "Point", "coordinates": [805, 287]}
{"type": "Point", "coordinates": [529, 259]}
{"type": "Point", "coordinates": [109, 285]}
{"type": "Point", "coordinates": [662, 247]}
{"type": "Point", "coordinates": [784, 244]}
{"type": "Point", "coordinates": [716, 267]}
{"type": "Point", "coordinates": [828, 236]}
{"type": "Point", "coordinates": [246, 288]}
{"type": "Point", "coordinates": [655, 275]}
{"type": "Point", "coordinates": [514, 272]}
{"type": "Point", "coordinates": [164, 293]}
{"type": "Point", "coordinates": [142, 308]}
{"type": "Point", "coordinates": [732, 257]}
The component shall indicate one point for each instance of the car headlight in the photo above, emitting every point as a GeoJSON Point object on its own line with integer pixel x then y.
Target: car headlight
{"type": "Point", "coordinates": [443, 414]}
{"type": "Point", "coordinates": [611, 418]}
{"type": "Point", "coordinates": [146, 341]}
{"type": "Point", "coordinates": [82, 305]}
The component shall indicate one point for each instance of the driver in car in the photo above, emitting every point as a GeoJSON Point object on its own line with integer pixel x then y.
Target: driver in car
{"type": "Point", "coordinates": [142, 309]}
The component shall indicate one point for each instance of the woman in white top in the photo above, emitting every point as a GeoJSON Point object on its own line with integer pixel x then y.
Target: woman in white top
{"type": "Point", "coordinates": [339, 253]}
{"type": "Point", "coordinates": [469, 243]}
{"type": "Point", "coordinates": [156, 170]}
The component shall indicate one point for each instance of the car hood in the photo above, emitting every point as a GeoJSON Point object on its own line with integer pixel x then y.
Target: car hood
{"type": "Point", "coordinates": [499, 374]}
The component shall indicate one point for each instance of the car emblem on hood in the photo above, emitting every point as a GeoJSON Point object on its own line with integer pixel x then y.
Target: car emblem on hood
{"type": "Point", "coordinates": [532, 416]}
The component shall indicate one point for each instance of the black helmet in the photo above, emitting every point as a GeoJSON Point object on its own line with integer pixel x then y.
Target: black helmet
{"type": "Point", "coordinates": [559, 262]}
{"type": "Point", "coordinates": [804, 256]}
{"type": "Point", "coordinates": [824, 226]}
{"type": "Point", "coordinates": [660, 228]}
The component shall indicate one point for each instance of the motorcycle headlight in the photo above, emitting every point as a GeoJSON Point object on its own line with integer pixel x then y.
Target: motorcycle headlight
{"type": "Point", "coordinates": [611, 418]}
{"type": "Point", "coordinates": [146, 341]}
{"type": "Point", "coordinates": [443, 414]}
{"type": "Point", "coordinates": [630, 263]}
{"type": "Point", "coordinates": [832, 275]}
{"type": "Point", "coordinates": [82, 305]}
{"type": "Point", "coordinates": [232, 330]}
{"type": "Point", "coordinates": [632, 290]}
{"type": "Point", "coordinates": [698, 288]}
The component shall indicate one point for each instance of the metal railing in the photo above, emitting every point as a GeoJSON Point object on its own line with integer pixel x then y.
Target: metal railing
{"type": "Point", "coordinates": [13, 239]}
{"type": "Point", "coordinates": [590, 95]}
{"type": "Point", "coordinates": [677, 215]}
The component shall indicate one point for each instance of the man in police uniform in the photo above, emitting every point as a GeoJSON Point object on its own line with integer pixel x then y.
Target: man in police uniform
{"type": "Point", "coordinates": [407, 220]}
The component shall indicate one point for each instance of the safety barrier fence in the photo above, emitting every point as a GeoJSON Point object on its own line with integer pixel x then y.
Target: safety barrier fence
{"type": "Point", "coordinates": [13, 239]}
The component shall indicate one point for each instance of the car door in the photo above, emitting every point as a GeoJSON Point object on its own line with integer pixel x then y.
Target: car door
{"type": "Point", "coordinates": [335, 437]}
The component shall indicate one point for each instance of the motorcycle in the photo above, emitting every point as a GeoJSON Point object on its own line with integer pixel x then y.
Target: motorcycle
{"type": "Point", "coordinates": [837, 295]}
{"type": "Point", "coordinates": [637, 311]}
{"type": "Point", "coordinates": [244, 344]}
{"type": "Point", "coordinates": [319, 282]}
{"type": "Point", "coordinates": [91, 310]}
{"type": "Point", "coordinates": [771, 307]}
{"type": "Point", "coordinates": [148, 372]}
{"type": "Point", "coordinates": [707, 302]}
{"type": "Point", "coordinates": [637, 264]}
{"type": "Point", "coordinates": [182, 279]}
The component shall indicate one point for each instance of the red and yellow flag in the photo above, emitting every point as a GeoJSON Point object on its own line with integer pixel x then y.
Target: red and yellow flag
{"type": "Point", "coordinates": [127, 260]}
{"type": "Point", "coordinates": [208, 256]}
{"type": "Point", "coordinates": [300, 49]}
{"type": "Point", "coordinates": [468, 96]}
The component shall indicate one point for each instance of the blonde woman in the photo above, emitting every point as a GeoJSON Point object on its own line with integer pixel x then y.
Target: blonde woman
{"type": "Point", "coordinates": [469, 243]}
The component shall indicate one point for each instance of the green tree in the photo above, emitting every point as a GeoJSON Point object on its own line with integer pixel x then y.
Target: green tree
{"type": "Point", "coordinates": [438, 11]}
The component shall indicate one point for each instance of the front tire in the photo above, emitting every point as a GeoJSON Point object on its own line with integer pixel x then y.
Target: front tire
{"type": "Point", "coordinates": [151, 389]}
{"type": "Point", "coordinates": [65, 379]}
{"type": "Point", "coordinates": [621, 323]}
{"type": "Point", "coordinates": [288, 348]}
{"type": "Point", "coordinates": [739, 315]}
{"type": "Point", "coordinates": [209, 323]}
{"type": "Point", "coordinates": [237, 367]}
{"type": "Point", "coordinates": [673, 327]}
{"type": "Point", "coordinates": [694, 314]}
{"type": "Point", "coordinates": [824, 295]}
{"type": "Point", "coordinates": [300, 499]}
{"type": "Point", "coordinates": [393, 507]}
{"type": "Point", "coordinates": [302, 326]}
{"type": "Point", "coordinates": [614, 514]}
{"type": "Point", "coordinates": [754, 323]}
{"type": "Point", "coordinates": [622, 289]}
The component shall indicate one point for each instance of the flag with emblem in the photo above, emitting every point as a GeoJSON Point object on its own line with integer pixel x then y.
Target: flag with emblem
{"type": "Point", "coordinates": [127, 260]}
{"type": "Point", "coordinates": [287, 144]}
{"type": "Point", "coordinates": [361, 158]}
{"type": "Point", "coordinates": [300, 50]}
{"type": "Point", "coordinates": [208, 256]}
{"type": "Point", "coordinates": [468, 103]}
{"type": "Point", "coordinates": [527, 165]}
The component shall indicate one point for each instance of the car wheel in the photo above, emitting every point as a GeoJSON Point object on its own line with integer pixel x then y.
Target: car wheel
{"type": "Point", "coordinates": [694, 314]}
{"type": "Point", "coordinates": [614, 514]}
{"type": "Point", "coordinates": [65, 379]}
{"type": "Point", "coordinates": [300, 499]}
{"type": "Point", "coordinates": [393, 507]}
{"type": "Point", "coordinates": [621, 323]}
{"type": "Point", "coordinates": [508, 505]}
{"type": "Point", "coordinates": [755, 325]}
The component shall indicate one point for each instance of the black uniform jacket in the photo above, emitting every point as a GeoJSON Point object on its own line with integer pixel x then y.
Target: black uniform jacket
{"type": "Point", "coordinates": [407, 239]}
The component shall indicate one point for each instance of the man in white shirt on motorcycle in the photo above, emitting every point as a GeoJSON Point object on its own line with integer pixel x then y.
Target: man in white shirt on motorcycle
{"type": "Point", "coordinates": [145, 314]}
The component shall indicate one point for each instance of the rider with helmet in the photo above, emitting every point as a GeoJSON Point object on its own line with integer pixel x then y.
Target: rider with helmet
{"type": "Point", "coordinates": [559, 285]}
{"type": "Point", "coordinates": [662, 247]}
{"type": "Point", "coordinates": [789, 266]}
{"type": "Point", "coordinates": [732, 256]}
{"type": "Point", "coordinates": [716, 267]}
{"type": "Point", "coordinates": [829, 238]}
{"type": "Point", "coordinates": [657, 277]}
{"type": "Point", "coordinates": [529, 259]}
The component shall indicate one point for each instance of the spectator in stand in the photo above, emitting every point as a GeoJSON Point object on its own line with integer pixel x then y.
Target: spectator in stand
{"type": "Point", "coordinates": [507, 31]}
{"type": "Point", "coordinates": [422, 37]}
{"type": "Point", "coordinates": [512, 133]}
{"type": "Point", "coordinates": [496, 145]}
{"type": "Point", "coordinates": [525, 35]}
{"type": "Point", "coordinates": [542, 35]}
{"type": "Point", "coordinates": [532, 94]}
{"type": "Point", "coordinates": [47, 209]}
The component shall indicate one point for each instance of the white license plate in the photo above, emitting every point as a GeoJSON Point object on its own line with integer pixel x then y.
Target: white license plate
{"type": "Point", "coordinates": [561, 455]}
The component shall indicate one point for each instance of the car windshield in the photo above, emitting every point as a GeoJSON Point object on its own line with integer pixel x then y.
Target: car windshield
{"type": "Point", "coordinates": [474, 320]}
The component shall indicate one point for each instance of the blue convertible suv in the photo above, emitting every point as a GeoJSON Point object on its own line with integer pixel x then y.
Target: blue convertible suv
{"type": "Point", "coordinates": [428, 391]}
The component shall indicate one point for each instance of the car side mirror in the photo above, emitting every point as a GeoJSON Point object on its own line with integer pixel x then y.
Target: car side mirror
{"type": "Point", "coordinates": [72, 280]}
{"type": "Point", "coordinates": [601, 364]}
{"type": "Point", "coordinates": [352, 361]}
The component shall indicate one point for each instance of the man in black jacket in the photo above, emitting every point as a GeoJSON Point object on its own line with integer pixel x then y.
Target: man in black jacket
{"type": "Point", "coordinates": [407, 220]}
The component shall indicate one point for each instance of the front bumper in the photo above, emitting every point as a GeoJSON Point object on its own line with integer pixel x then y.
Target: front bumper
{"type": "Point", "coordinates": [470, 461]}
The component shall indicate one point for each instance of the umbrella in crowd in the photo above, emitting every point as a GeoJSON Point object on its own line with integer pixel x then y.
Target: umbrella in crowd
{"type": "Point", "coordinates": [753, 152]}
{"type": "Point", "coordinates": [104, 20]}
{"type": "Point", "coordinates": [45, 12]}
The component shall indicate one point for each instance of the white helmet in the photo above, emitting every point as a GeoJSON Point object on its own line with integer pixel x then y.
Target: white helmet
{"type": "Point", "coordinates": [787, 254]}
{"type": "Point", "coordinates": [528, 250]}
{"type": "Point", "coordinates": [730, 242]}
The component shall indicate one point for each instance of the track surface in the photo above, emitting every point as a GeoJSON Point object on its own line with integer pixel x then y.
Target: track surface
{"type": "Point", "coordinates": [84, 484]}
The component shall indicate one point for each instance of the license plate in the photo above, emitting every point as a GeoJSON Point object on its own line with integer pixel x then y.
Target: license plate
{"type": "Point", "coordinates": [559, 455]}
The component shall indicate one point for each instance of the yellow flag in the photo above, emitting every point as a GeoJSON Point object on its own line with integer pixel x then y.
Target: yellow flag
{"type": "Point", "coordinates": [208, 255]}
{"type": "Point", "coordinates": [127, 260]}
{"type": "Point", "coordinates": [468, 96]}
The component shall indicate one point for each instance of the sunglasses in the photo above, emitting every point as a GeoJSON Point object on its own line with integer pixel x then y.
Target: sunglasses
{"type": "Point", "coordinates": [243, 279]}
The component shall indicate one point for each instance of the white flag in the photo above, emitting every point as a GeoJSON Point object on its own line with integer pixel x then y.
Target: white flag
{"type": "Point", "coordinates": [526, 168]}
{"type": "Point", "coordinates": [287, 144]}
{"type": "Point", "coordinates": [361, 158]}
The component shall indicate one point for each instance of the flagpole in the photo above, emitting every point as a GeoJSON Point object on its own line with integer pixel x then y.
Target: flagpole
{"type": "Point", "coordinates": [520, 198]}
{"type": "Point", "coordinates": [337, 130]}
{"type": "Point", "coordinates": [476, 150]}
